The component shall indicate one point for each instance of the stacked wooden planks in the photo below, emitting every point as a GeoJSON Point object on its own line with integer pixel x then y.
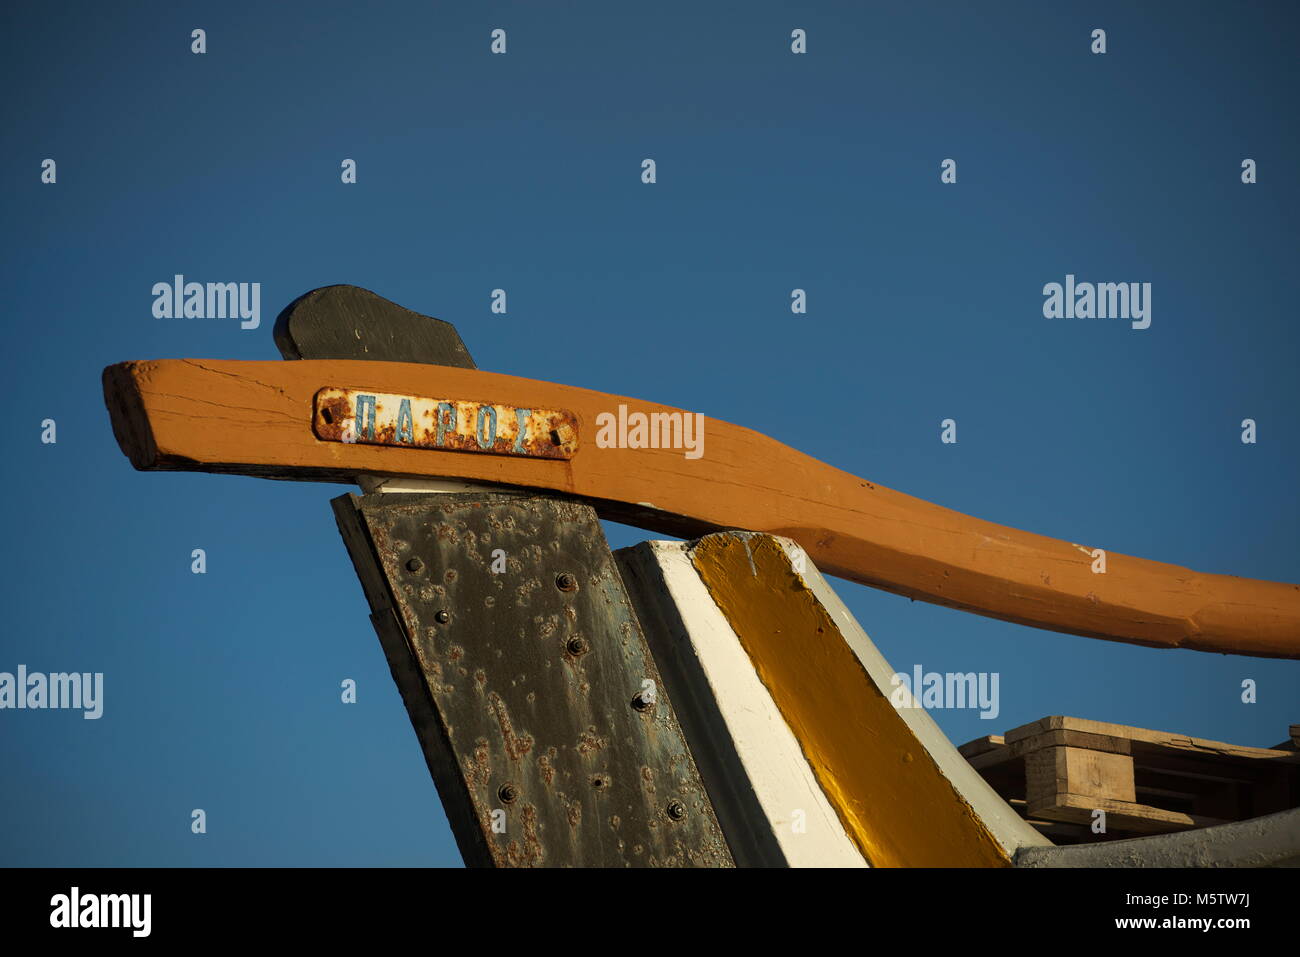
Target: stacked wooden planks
{"type": "Point", "coordinates": [1058, 772]}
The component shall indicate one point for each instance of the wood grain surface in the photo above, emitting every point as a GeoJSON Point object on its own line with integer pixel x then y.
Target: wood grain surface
{"type": "Point", "coordinates": [255, 418]}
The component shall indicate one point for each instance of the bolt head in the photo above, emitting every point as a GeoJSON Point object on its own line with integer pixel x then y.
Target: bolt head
{"type": "Point", "coordinates": [566, 582]}
{"type": "Point", "coordinates": [414, 565]}
{"type": "Point", "coordinates": [442, 616]}
{"type": "Point", "coordinates": [676, 810]}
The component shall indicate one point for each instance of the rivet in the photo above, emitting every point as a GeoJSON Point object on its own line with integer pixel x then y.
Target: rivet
{"type": "Point", "coordinates": [414, 565]}
{"type": "Point", "coordinates": [566, 582]}
{"type": "Point", "coordinates": [676, 810]}
{"type": "Point", "coordinates": [507, 793]}
{"type": "Point", "coordinates": [641, 702]}
{"type": "Point", "coordinates": [442, 616]}
{"type": "Point", "coordinates": [577, 645]}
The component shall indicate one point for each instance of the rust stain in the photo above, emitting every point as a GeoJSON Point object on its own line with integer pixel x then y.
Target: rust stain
{"type": "Point", "coordinates": [546, 767]}
{"type": "Point", "coordinates": [478, 766]}
{"type": "Point", "coordinates": [361, 417]}
{"type": "Point", "coordinates": [589, 742]}
{"type": "Point", "coordinates": [530, 852]}
{"type": "Point", "coordinates": [517, 745]}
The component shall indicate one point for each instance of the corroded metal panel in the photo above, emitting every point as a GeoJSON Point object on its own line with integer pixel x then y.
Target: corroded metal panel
{"type": "Point", "coordinates": [378, 418]}
{"type": "Point", "coordinates": [537, 701]}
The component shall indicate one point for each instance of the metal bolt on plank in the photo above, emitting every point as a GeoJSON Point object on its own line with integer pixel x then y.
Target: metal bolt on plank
{"type": "Point", "coordinates": [519, 682]}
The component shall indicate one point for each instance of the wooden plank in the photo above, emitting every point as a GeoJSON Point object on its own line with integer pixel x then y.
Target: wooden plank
{"type": "Point", "coordinates": [896, 800]}
{"type": "Point", "coordinates": [1103, 736]}
{"type": "Point", "coordinates": [984, 745]}
{"type": "Point", "coordinates": [404, 665]}
{"type": "Point", "coordinates": [1052, 772]}
{"type": "Point", "coordinates": [1002, 821]}
{"type": "Point", "coordinates": [984, 754]}
{"type": "Point", "coordinates": [527, 685]}
{"type": "Point", "coordinates": [1070, 784]}
{"type": "Point", "coordinates": [1147, 781]}
{"type": "Point", "coordinates": [255, 418]}
{"type": "Point", "coordinates": [765, 794]}
{"type": "Point", "coordinates": [1124, 816]}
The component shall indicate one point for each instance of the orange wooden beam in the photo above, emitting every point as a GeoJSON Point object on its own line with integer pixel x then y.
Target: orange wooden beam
{"type": "Point", "coordinates": [259, 418]}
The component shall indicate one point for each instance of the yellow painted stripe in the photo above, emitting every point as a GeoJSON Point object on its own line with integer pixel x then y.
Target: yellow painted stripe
{"type": "Point", "coordinates": [893, 800]}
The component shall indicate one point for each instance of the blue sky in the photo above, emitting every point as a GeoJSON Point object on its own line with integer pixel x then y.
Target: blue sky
{"type": "Point", "coordinates": [775, 171]}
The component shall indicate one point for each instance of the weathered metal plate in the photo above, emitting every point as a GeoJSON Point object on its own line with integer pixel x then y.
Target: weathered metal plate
{"type": "Point", "coordinates": [378, 418]}
{"type": "Point", "coordinates": [541, 711]}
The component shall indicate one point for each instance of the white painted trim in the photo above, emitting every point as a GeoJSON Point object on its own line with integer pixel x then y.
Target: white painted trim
{"type": "Point", "coordinates": [382, 483]}
{"type": "Point", "coordinates": [779, 774]}
{"type": "Point", "coordinates": [1010, 830]}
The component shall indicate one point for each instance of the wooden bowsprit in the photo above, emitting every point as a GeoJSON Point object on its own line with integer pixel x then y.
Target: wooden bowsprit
{"type": "Point", "coordinates": [542, 716]}
{"type": "Point", "coordinates": [334, 419]}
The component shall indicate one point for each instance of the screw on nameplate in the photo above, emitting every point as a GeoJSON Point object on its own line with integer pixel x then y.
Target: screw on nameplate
{"type": "Point", "coordinates": [458, 425]}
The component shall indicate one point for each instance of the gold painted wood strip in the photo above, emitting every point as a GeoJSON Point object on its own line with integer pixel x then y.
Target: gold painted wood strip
{"type": "Point", "coordinates": [889, 792]}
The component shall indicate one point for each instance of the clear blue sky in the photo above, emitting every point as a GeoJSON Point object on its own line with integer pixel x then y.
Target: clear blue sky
{"type": "Point", "coordinates": [522, 171]}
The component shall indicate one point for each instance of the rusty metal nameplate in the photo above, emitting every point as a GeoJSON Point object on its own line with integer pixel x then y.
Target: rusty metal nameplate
{"type": "Point", "coordinates": [462, 425]}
